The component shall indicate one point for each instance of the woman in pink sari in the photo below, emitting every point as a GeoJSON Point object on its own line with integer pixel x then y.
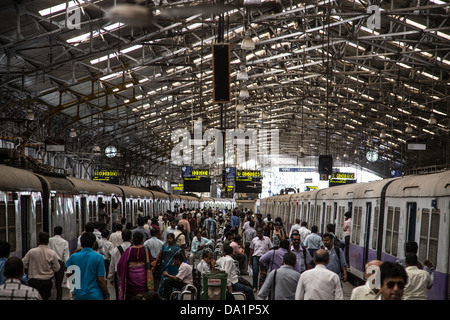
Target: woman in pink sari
{"type": "Point", "coordinates": [134, 271]}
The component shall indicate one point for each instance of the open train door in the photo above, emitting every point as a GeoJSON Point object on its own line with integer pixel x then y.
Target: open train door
{"type": "Point", "coordinates": [25, 223]}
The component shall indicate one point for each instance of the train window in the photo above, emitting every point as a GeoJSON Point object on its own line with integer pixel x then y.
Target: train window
{"type": "Point", "coordinates": [328, 220]}
{"type": "Point", "coordinates": [395, 232]}
{"type": "Point", "coordinates": [358, 226]}
{"type": "Point", "coordinates": [390, 216]}
{"type": "Point", "coordinates": [317, 217]}
{"type": "Point", "coordinates": [90, 210]}
{"type": "Point", "coordinates": [2, 221]}
{"type": "Point", "coordinates": [12, 225]}
{"type": "Point", "coordinates": [424, 228]}
{"type": "Point", "coordinates": [375, 228]}
{"type": "Point", "coordinates": [39, 227]}
{"type": "Point", "coordinates": [434, 236]}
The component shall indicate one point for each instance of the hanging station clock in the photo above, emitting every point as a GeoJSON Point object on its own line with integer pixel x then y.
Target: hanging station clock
{"type": "Point", "coordinates": [372, 156]}
{"type": "Point", "coordinates": [110, 151]}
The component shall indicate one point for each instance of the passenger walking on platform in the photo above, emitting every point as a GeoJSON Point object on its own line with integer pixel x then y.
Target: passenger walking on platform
{"type": "Point", "coordinates": [5, 252]}
{"type": "Point", "coordinates": [155, 226]}
{"type": "Point", "coordinates": [41, 263]}
{"type": "Point", "coordinates": [258, 247]}
{"type": "Point", "coordinates": [226, 263]}
{"type": "Point", "coordinates": [337, 262]}
{"type": "Point", "coordinates": [393, 278]}
{"type": "Point", "coordinates": [91, 266]}
{"type": "Point", "coordinates": [115, 257]}
{"type": "Point", "coordinates": [210, 226]}
{"type": "Point", "coordinates": [116, 237]}
{"type": "Point", "coordinates": [164, 224]}
{"type": "Point", "coordinates": [281, 283]}
{"type": "Point", "coordinates": [178, 281]}
{"type": "Point", "coordinates": [296, 226]}
{"type": "Point", "coordinates": [249, 235]}
{"type": "Point", "coordinates": [115, 216]}
{"type": "Point", "coordinates": [419, 281]}
{"type": "Point", "coordinates": [134, 270]}
{"type": "Point", "coordinates": [303, 257]}
{"type": "Point", "coordinates": [369, 290]}
{"type": "Point", "coordinates": [313, 242]}
{"type": "Point", "coordinates": [106, 249]}
{"type": "Point", "coordinates": [171, 228]}
{"type": "Point", "coordinates": [273, 259]}
{"type": "Point", "coordinates": [304, 232]}
{"type": "Point", "coordinates": [319, 283]}
{"type": "Point", "coordinates": [140, 228]}
{"type": "Point", "coordinates": [277, 235]}
{"type": "Point", "coordinates": [154, 244]}
{"type": "Point", "coordinates": [13, 288]}
{"type": "Point", "coordinates": [180, 238]}
{"type": "Point", "coordinates": [347, 228]}
{"type": "Point", "coordinates": [235, 222]}
{"type": "Point", "coordinates": [61, 248]}
{"type": "Point", "coordinates": [410, 247]}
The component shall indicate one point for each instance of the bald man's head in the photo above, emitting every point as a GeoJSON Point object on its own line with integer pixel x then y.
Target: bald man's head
{"type": "Point", "coordinates": [321, 257]}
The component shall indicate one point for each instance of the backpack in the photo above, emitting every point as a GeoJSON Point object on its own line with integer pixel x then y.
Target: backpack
{"type": "Point", "coordinates": [337, 243]}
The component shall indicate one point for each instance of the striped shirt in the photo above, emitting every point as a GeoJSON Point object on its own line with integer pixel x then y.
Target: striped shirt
{"type": "Point", "coordinates": [14, 289]}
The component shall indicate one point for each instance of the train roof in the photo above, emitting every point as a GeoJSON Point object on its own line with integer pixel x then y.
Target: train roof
{"type": "Point", "coordinates": [59, 185]}
{"type": "Point", "coordinates": [160, 195]}
{"type": "Point", "coordinates": [16, 179]}
{"type": "Point", "coordinates": [136, 192]}
{"type": "Point", "coordinates": [94, 187]}
{"type": "Point", "coordinates": [430, 185]}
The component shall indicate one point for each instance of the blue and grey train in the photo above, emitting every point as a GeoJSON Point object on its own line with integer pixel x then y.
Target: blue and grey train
{"type": "Point", "coordinates": [386, 214]}
{"type": "Point", "coordinates": [32, 202]}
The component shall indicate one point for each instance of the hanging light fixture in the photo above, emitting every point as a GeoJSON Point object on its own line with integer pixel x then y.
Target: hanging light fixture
{"type": "Point", "coordinates": [432, 120]}
{"type": "Point", "coordinates": [244, 93]}
{"type": "Point", "coordinates": [72, 133]}
{"type": "Point", "coordinates": [240, 107]}
{"type": "Point", "coordinates": [409, 129]}
{"type": "Point", "coordinates": [242, 74]}
{"type": "Point", "coordinates": [247, 43]}
{"type": "Point", "coordinates": [96, 149]}
{"type": "Point", "coordinates": [383, 134]}
{"type": "Point", "coordinates": [29, 115]}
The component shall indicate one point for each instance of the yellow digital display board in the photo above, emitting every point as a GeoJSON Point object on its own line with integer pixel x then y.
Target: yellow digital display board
{"type": "Point", "coordinates": [249, 173]}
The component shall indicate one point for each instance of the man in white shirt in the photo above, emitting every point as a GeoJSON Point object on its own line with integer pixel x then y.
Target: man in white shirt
{"type": "Point", "coordinates": [419, 281]}
{"type": "Point", "coordinates": [154, 244]}
{"type": "Point", "coordinates": [106, 249]}
{"type": "Point", "coordinates": [304, 231]}
{"type": "Point", "coordinates": [370, 289]}
{"type": "Point", "coordinates": [42, 263]}
{"type": "Point", "coordinates": [296, 226]}
{"type": "Point", "coordinates": [61, 248]}
{"type": "Point", "coordinates": [116, 237]}
{"type": "Point", "coordinates": [319, 283]}
{"type": "Point", "coordinates": [115, 257]}
{"type": "Point", "coordinates": [258, 247]}
{"type": "Point", "coordinates": [227, 264]}
{"type": "Point", "coordinates": [183, 277]}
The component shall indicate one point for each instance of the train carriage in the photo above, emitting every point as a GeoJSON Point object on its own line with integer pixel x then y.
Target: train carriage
{"type": "Point", "coordinates": [385, 215]}
{"type": "Point", "coordinates": [21, 209]}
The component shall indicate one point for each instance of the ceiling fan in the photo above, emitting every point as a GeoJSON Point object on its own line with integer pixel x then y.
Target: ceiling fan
{"type": "Point", "coordinates": [136, 13]}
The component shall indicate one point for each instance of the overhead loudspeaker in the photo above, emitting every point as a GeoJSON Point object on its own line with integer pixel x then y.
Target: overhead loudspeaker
{"type": "Point", "coordinates": [221, 73]}
{"type": "Point", "coordinates": [325, 164]}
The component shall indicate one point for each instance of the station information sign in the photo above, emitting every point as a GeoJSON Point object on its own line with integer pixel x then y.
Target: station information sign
{"type": "Point", "coordinates": [248, 181]}
{"type": "Point", "coordinates": [108, 176]}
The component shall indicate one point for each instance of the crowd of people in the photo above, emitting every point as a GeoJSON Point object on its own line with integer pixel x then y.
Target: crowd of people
{"type": "Point", "coordinates": [159, 256]}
